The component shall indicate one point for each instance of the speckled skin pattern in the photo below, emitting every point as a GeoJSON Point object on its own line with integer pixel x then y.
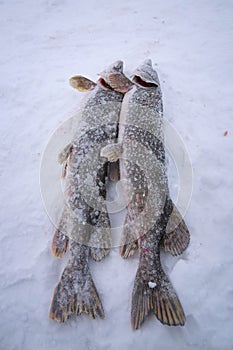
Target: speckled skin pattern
{"type": "Point", "coordinates": [85, 221]}
{"type": "Point", "coordinates": [86, 176]}
{"type": "Point", "coordinates": [142, 164]}
{"type": "Point", "coordinates": [143, 157]}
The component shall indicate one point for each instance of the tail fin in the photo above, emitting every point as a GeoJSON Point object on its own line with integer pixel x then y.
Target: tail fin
{"type": "Point", "coordinates": [129, 240]}
{"type": "Point", "coordinates": [75, 294]}
{"type": "Point", "coordinates": [160, 299]}
{"type": "Point", "coordinates": [177, 237]}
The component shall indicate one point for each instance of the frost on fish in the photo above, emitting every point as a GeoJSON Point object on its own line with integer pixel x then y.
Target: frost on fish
{"type": "Point", "coordinates": [84, 221]}
{"type": "Point", "coordinates": [152, 221]}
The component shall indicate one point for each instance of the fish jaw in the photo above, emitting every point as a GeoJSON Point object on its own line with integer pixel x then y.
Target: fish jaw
{"type": "Point", "coordinates": [82, 83]}
{"type": "Point", "coordinates": [119, 82]}
{"type": "Point", "coordinates": [116, 67]}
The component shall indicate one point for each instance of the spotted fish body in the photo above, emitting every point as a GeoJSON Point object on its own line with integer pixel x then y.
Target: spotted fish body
{"type": "Point", "coordinates": [84, 225]}
{"type": "Point", "coordinates": [142, 164]}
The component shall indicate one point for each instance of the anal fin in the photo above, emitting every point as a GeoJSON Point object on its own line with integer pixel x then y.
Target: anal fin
{"type": "Point", "coordinates": [59, 244]}
{"type": "Point", "coordinates": [129, 240]}
{"type": "Point", "coordinates": [177, 237]}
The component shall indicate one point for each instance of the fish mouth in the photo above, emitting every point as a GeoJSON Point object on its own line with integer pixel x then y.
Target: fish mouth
{"type": "Point", "coordinates": [104, 84]}
{"type": "Point", "coordinates": [138, 80]}
{"type": "Point", "coordinates": [103, 81]}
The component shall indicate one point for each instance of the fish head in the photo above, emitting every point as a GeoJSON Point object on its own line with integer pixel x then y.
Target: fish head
{"type": "Point", "coordinates": [114, 68]}
{"type": "Point", "coordinates": [145, 75]}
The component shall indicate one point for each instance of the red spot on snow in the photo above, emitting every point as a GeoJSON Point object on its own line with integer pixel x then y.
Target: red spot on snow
{"type": "Point", "coordinates": [225, 133]}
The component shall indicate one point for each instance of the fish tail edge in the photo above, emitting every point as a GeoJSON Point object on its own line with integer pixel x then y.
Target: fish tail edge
{"type": "Point", "coordinates": [66, 302]}
{"type": "Point", "coordinates": [162, 301]}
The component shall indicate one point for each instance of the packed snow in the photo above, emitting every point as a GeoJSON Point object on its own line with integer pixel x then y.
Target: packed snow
{"type": "Point", "coordinates": [43, 44]}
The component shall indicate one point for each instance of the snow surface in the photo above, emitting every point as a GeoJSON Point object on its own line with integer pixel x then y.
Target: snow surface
{"type": "Point", "coordinates": [43, 43]}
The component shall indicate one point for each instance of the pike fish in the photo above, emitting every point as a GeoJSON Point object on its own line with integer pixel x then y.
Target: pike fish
{"type": "Point", "coordinates": [152, 221]}
{"type": "Point", "coordinates": [84, 226]}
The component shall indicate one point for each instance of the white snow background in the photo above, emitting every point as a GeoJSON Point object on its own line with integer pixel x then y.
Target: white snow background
{"type": "Point", "coordinates": [43, 43]}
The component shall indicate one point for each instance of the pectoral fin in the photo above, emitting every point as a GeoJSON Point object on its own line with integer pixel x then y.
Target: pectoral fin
{"type": "Point", "coordinates": [63, 155]}
{"type": "Point", "coordinates": [63, 158]}
{"type": "Point", "coordinates": [81, 83]}
{"type": "Point", "coordinates": [112, 152]}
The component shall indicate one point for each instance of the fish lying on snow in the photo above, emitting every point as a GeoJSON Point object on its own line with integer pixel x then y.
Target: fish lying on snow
{"type": "Point", "coordinates": [84, 225]}
{"type": "Point", "coordinates": [152, 221]}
